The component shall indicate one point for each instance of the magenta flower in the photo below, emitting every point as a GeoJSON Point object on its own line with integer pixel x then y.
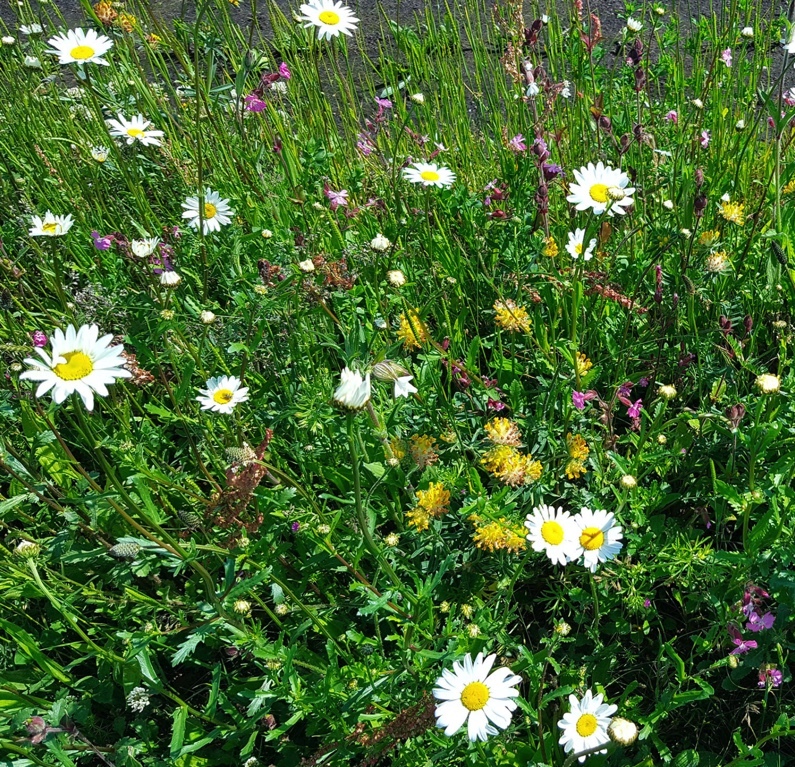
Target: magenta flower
{"type": "Point", "coordinates": [365, 145]}
{"type": "Point", "coordinates": [579, 398]}
{"type": "Point", "coordinates": [757, 622]}
{"type": "Point", "coordinates": [39, 338]}
{"type": "Point", "coordinates": [647, 603]}
{"type": "Point", "coordinates": [771, 675]}
{"type": "Point", "coordinates": [495, 405]}
{"type": "Point", "coordinates": [516, 144]}
{"type": "Point", "coordinates": [337, 199]}
{"type": "Point", "coordinates": [741, 645]}
{"type": "Point", "coordinates": [727, 57]}
{"type": "Point", "coordinates": [284, 71]}
{"type": "Point", "coordinates": [672, 117]}
{"type": "Point", "coordinates": [704, 140]}
{"type": "Point", "coordinates": [102, 242]}
{"type": "Point", "coordinates": [295, 527]}
{"type": "Point", "coordinates": [253, 103]}
{"type": "Point", "coordinates": [635, 408]}
{"type": "Point", "coordinates": [789, 97]}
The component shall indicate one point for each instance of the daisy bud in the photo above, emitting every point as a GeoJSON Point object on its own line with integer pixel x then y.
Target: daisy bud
{"type": "Point", "coordinates": [170, 279]}
{"type": "Point", "coordinates": [388, 371]}
{"type": "Point", "coordinates": [623, 731]}
{"type": "Point", "coordinates": [99, 153]}
{"type": "Point", "coordinates": [659, 10]}
{"type": "Point", "coordinates": [747, 32]}
{"type": "Point", "coordinates": [767, 383]}
{"type": "Point", "coordinates": [167, 314]}
{"type": "Point", "coordinates": [563, 629]}
{"type": "Point", "coordinates": [697, 103]}
{"type": "Point", "coordinates": [616, 193]}
{"type": "Point", "coordinates": [27, 549]}
{"type": "Point", "coordinates": [242, 607]}
{"type": "Point", "coordinates": [667, 391]}
{"type": "Point", "coordinates": [307, 266]}
{"type": "Point", "coordinates": [629, 482]}
{"type": "Point", "coordinates": [668, 204]}
{"type": "Point", "coordinates": [282, 609]}
{"type": "Point", "coordinates": [380, 243]}
{"type": "Point", "coordinates": [267, 234]}
{"type": "Point", "coordinates": [633, 25]}
{"type": "Point", "coordinates": [207, 317]}
{"type": "Point", "coordinates": [396, 278]}
{"type": "Point", "coordinates": [418, 98]}
{"type": "Point", "coordinates": [392, 539]}
{"type": "Point", "coordinates": [545, 19]}
{"type": "Point", "coordinates": [8, 40]}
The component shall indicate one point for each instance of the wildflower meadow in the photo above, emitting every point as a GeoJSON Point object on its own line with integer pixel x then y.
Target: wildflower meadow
{"type": "Point", "coordinates": [397, 387]}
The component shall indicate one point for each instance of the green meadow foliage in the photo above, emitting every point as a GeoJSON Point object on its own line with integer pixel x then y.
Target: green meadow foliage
{"type": "Point", "coordinates": [396, 389]}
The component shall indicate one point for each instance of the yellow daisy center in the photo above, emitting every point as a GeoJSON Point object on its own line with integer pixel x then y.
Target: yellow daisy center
{"type": "Point", "coordinates": [135, 132]}
{"type": "Point", "coordinates": [77, 366]}
{"type": "Point", "coordinates": [329, 17]}
{"type": "Point", "coordinates": [586, 725]}
{"type": "Point", "coordinates": [51, 228]}
{"type": "Point", "coordinates": [552, 533]}
{"type": "Point", "coordinates": [429, 175]}
{"type": "Point", "coordinates": [475, 695]}
{"type": "Point", "coordinates": [210, 210]}
{"type": "Point", "coordinates": [598, 192]}
{"type": "Point", "coordinates": [82, 52]}
{"type": "Point", "coordinates": [592, 538]}
{"type": "Point", "coordinates": [578, 248]}
{"type": "Point", "coordinates": [224, 396]}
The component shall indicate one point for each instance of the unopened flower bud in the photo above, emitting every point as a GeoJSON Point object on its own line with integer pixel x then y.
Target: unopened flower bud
{"type": "Point", "coordinates": [282, 609]}
{"type": "Point", "coordinates": [623, 731]}
{"type": "Point", "coordinates": [629, 482]}
{"type": "Point", "coordinates": [207, 317]}
{"type": "Point", "coordinates": [418, 98]}
{"type": "Point", "coordinates": [667, 391]}
{"type": "Point", "coordinates": [388, 371]}
{"type": "Point", "coordinates": [396, 278]}
{"type": "Point", "coordinates": [380, 243]}
{"type": "Point", "coordinates": [242, 607]}
{"type": "Point", "coordinates": [27, 549]}
{"type": "Point", "coordinates": [616, 193]}
{"type": "Point", "coordinates": [267, 234]}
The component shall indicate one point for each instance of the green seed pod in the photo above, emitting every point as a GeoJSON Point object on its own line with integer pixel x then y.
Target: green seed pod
{"type": "Point", "coordinates": [189, 519]}
{"type": "Point", "coordinates": [124, 551]}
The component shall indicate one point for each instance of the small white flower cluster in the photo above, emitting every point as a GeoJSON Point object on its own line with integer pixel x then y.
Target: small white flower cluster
{"type": "Point", "coordinates": [138, 699]}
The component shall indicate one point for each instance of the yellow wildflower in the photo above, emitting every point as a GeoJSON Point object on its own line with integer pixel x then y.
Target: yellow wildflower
{"type": "Point", "coordinates": [422, 452]}
{"type": "Point", "coordinates": [435, 500]}
{"type": "Point", "coordinates": [577, 446]}
{"type": "Point", "coordinates": [582, 364]}
{"type": "Point", "coordinates": [419, 518]}
{"type": "Point", "coordinates": [717, 262]}
{"type": "Point", "coordinates": [550, 247]}
{"type": "Point", "coordinates": [500, 535]}
{"type": "Point", "coordinates": [512, 467]}
{"type": "Point", "coordinates": [789, 188]}
{"type": "Point", "coordinates": [733, 211]}
{"type": "Point", "coordinates": [494, 459]}
{"type": "Point", "coordinates": [575, 469]}
{"type": "Point", "coordinates": [412, 332]}
{"type": "Point", "coordinates": [502, 431]}
{"type": "Point", "coordinates": [511, 317]}
{"type": "Point", "coordinates": [105, 12]}
{"type": "Point", "coordinates": [708, 238]}
{"type": "Point", "coordinates": [126, 22]}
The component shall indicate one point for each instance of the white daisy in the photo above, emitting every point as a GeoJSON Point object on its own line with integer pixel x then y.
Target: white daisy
{"type": "Point", "coordinates": [79, 362]}
{"type": "Point", "coordinates": [429, 174]}
{"type": "Point", "coordinates": [575, 245]}
{"type": "Point", "coordinates": [170, 279]}
{"type": "Point", "coordinates": [598, 537]}
{"type": "Point", "coordinates": [354, 391]}
{"type": "Point", "coordinates": [469, 692]}
{"type": "Point", "coordinates": [134, 129]}
{"type": "Point", "coordinates": [222, 394]}
{"type": "Point", "coordinates": [403, 387]}
{"type": "Point", "coordinates": [100, 153]}
{"type": "Point", "coordinates": [216, 212]}
{"type": "Point", "coordinates": [633, 25]}
{"type": "Point", "coordinates": [51, 225]}
{"type": "Point", "coordinates": [78, 47]}
{"type": "Point", "coordinates": [329, 17]}
{"type": "Point", "coordinates": [554, 532]}
{"type": "Point", "coordinates": [145, 247]}
{"type": "Point", "coordinates": [585, 726]}
{"type": "Point", "coordinates": [601, 188]}
{"type": "Point", "coordinates": [30, 29]}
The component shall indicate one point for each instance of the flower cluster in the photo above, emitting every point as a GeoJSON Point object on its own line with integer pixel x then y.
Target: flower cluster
{"type": "Point", "coordinates": [431, 504]}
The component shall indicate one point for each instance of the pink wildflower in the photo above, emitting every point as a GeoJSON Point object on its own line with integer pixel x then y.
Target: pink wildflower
{"type": "Point", "coordinates": [579, 398]}
{"type": "Point", "coordinates": [741, 645]}
{"type": "Point", "coordinates": [39, 338]}
{"type": "Point", "coordinates": [704, 140]}
{"type": "Point", "coordinates": [757, 622]}
{"type": "Point", "coordinates": [516, 144]}
{"type": "Point", "coordinates": [337, 199]}
{"type": "Point", "coordinates": [727, 57]}
{"type": "Point", "coordinates": [672, 117]}
{"type": "Point", "coordinates": [284, 71]}
{"type": "Point", "coordinates": [770, 675]}
{"type": "Point", "coordinates": [634, 409]}
{"type": "Point", "coordinates": [253, 103]}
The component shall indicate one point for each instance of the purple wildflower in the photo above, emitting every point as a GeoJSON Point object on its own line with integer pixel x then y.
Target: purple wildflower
{"type": "Point", "coordinates": [337, 199]}
{"type": "Point", "coordinates": [516, 144]}
{"type": "Point", "coordinates": [635, 408]}
{"type": "Point", "coordinates": [757, 622]}
{"type": "Point", "coordinates": [295, 527]}
{"type": "Point", "coordinates": [672, 117]}
{"type": "Point", "coordinates": [727, 57]}
{"type": "Point", "coordinates": [253, 103]}
{"type": "Point", "coordinates": [741, 645]}
{"type": "Point", "coordinates": [647, 603]}
{"type": "Point", "coordinates": [551, 170]}
{"type": "Point", "coordinates": [644, 382]}
{"type": "Point", "coordinates": [39, 338]}
{"type": "Point", "coordinates": [102, 242]}
{"type": "Point", "coordinates": [284, 71]}
{"type": "Point", "coordinates": [579, 398]}
{"type": "Point", "coordinates": [770, 675]}
{"type": "Point", "coordinates": [704, 140]}
{"type": "Point", "coordinates": [495, 405]}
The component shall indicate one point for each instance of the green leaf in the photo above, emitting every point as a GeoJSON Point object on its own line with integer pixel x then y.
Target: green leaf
{"type": "Point", "coordinates": [26, 644]}
{"type": "Point", "coordinates": [678, 662]}
{"type": "Point", "coordinates": [765, 532]}
{"type": "Point", "coordinates": [178, 731]}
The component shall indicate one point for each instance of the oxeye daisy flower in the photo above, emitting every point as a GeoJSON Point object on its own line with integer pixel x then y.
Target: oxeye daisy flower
{"type": "Point", "coordinates": [469, 694]}
{"type": "Point", "coordinates": [134, 129]}
{"type": "Point", "coordinates": [222, 394]}
{"type": "Point", "coordinates": [331, 18]}
{"type": "Point", "coordinates": [51, 225]}
{"type": "Point", "coordinates": [145, 247]}
{"type": "Point", "coordinates": [601, 188]}
{"type": "Point", "coordinates": [576, 244]}
{"type": "Point", "coordinates": [585, 725]}
{"type": "Point", "coordinates": [353, 393]}
{"type": "Point", "coordinates": [78, 47]}
{"type": "Point", "coordinates": [215, 209]}
{"type": "Point", "coordinates": [79, 361]}
{"type": "Point", "coordinates": [553, 531]}
{"type": "Point", "coordinates": [598, 537]}
{"type": "Point", "coordinates": [429, 174]}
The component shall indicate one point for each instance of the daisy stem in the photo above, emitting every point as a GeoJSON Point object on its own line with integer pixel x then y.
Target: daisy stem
{"type": "Point", "coordinates": [595, 596]}
{"type": "Point", "coordinates": [360, 512]}
{"type": "Point", "coordinates": [570, 760]}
